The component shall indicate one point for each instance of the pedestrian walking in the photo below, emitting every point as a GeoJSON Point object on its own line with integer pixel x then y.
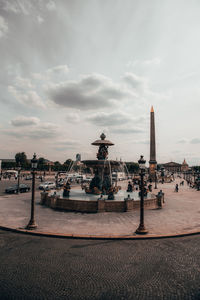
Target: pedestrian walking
{"type": "Point", "coordinates": [176, 188]}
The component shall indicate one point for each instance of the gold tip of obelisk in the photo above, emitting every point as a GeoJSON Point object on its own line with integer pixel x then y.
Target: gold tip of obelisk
{"type": "Point", "coordinates": [152, 109]}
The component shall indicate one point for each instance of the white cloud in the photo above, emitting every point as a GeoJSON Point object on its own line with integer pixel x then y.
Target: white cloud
{"type": "Point", "coordinates": [50, 74]}
{"type": "Point", "coordinates": [39, 76]}
{"type": "Point", "coordinates": [144, 63]}
{"type": "Point", "coordinates": [40, 19]}
{"type": "Point", "coordinates": [3, 27]}
{"type": "Point", "coordinates": [20, 6]}
{"type": "Point", "coordinates": [145, 142]}
{"type": "Point", "coordinates": [66, 145]}
{"type": "Point", "coordinates": [37, 131]}
{"type": "Point", "coordinates": [26, 7]}
{"type": "Point", "coordinates": [91, 92]}
{"type": "Point", "coordinates": [58, 69]}
{"type": "Point", "coordinates": [192, 141]}
{"type": "Point", "coordinates": [24, 83]}
{"type": "Point", "coordinates": [182, 141]}
{"type": "Point", "coordinates": [109, 118]}
{"type": "Point", "coordinates": [154, 61]}
{"type": "Point", "coordinates": [72, 117]}
{"type": "Point", "coordinates": [127, 130]}
{"type": "Point", "coordinates": [135, 81]}
{"type": "Point", "coordinates": [195, 141]}
{"type": "Point", "coordinates": [28, 98]}
{"type": "Point", "coordinates": [51, 5]}
{"type": "Point", "coordinates": [10, 6]}
{"type": "Point", "coordinates": [24, 121]}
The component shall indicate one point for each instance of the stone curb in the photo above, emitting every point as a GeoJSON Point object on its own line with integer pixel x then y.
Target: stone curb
{"type": "Point", "coordinates": [95, 237]}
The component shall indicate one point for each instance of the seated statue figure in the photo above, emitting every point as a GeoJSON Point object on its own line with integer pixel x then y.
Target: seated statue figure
{"type": "Point", "coordinates": [66, 189]}
{"type": "Point", "coordinates": [130, 187]}
{"type": "Point", "coordinates": [103, 152]}
{"type": "Point", "coordinates": [111, 194]}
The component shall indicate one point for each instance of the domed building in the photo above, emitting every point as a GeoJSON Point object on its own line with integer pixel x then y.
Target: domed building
{"type": "Point", "coordinates": [184, 166]}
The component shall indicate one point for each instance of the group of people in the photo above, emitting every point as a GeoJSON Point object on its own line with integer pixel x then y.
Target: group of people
{"type": "Point", "coordinates": [135, 187]}
{"type": "Point", "coordinates": [190, 183]}
{"type": "Point", "coordinates": [7, 176]}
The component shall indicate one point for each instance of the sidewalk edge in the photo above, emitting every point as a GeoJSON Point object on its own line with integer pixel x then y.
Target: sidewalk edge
{"type": "Point", "coordinates": [96, 237]}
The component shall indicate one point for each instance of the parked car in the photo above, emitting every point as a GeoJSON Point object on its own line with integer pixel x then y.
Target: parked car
{"type": "Point", "coordinates": [28, 177]}
{"type": "Point", "coordinates": [13, 189]}
{"type": "Point", "coordinates": [61, 182]}
{"type": "Point", "coordinates": [47, 185]}
{"type": "Point", "coordinates": [87, 180]}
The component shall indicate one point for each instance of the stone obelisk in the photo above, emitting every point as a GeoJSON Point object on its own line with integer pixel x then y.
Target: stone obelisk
{"type": "Point", "coordinates": [152, 162]}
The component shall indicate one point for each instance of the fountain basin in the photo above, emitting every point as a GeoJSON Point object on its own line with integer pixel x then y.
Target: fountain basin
{"type": "Point", "coordinates": [78, 201]}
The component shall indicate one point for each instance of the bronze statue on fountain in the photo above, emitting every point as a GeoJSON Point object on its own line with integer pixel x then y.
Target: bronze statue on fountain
{"type": "Point", "coordinates": [102, 168]}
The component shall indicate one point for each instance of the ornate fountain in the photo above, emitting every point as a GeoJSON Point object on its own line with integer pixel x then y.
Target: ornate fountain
{"type": "Point", "coordinates": [102, 169]}
{"type": "Point", "coordinates": [97, 196]}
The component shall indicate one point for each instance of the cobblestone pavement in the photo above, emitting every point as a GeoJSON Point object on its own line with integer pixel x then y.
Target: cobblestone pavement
{"type": "Point", "coordinates": [50, 268]}
{"type": "Point", "coordinates": [180, 214]}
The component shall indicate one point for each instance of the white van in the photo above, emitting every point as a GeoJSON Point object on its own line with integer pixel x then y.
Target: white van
{"type": "Point", "coordinates": [118, 176]}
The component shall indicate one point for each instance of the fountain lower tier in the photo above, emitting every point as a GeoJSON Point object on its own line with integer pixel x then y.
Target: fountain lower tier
{"type": "Point", "coordinates": [102, 180]}
{"type": "Point", "coordinates": [81, 202]}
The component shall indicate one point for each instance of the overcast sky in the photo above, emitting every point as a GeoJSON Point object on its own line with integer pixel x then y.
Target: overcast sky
{"type": "Point", "coordinates": [71, 69]}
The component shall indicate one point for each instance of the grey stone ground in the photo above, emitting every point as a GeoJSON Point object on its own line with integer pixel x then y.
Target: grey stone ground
{"type": "Point", "coordinates": [180, 214]}
{"type": "Point", "coordinates": [51, 268]}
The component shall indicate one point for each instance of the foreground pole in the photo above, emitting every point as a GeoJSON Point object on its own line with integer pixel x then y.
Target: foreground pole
{"type": "Point", "coordinates": [32, 225]}
{"type": "Point", "coordinates": [141, 229]}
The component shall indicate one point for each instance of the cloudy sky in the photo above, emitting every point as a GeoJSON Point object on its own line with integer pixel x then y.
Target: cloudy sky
{"type": "Point", "coordinates": [71, 69]}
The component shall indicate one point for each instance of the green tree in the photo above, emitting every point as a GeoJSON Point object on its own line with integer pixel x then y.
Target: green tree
{"type": "Point", "coordinates": [196, 168]}
{"type": "Point", "coordinates": [8, 165]}
{"type": "Point", "coordinates": [21, 159]}
{"type": "Point", "coordinates": [68, 164]}
{"type": "Point", "coordinates": [41, 164]}
{"type": "Point", "coordinates": [57, 166]}
{"type": "Point", "coordinates": [132, 167]}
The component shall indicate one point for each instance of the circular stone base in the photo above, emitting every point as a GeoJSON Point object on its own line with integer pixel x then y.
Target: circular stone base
{"type": "Point", "coordinates": [79, 201]}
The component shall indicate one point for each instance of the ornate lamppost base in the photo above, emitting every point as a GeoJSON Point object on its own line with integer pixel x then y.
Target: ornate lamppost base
{"type": "Point", "coordinates": [141, 230]}
{"type": "Point", "coordinates": [31, 225]}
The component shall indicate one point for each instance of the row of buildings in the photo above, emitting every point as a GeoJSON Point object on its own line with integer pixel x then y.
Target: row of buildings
{"type": "Point", "coordinates": [174, 167]}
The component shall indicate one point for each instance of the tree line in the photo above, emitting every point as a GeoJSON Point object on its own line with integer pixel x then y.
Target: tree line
{"type": "Point", "coordinates": [25, 163]}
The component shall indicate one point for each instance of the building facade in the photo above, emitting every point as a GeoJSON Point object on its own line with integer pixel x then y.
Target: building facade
{"type": "Point", "coordinates": [172, 167]}
{"type": "Point", "coordinates": [184, 167]}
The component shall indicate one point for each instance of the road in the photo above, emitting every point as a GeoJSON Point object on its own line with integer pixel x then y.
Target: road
{"type": "Point", "coordinates": [4, 183]}
{"type": "Point", "coordinates": [49, 268]}
{"type": "Point", "coordinates": [7, 183]}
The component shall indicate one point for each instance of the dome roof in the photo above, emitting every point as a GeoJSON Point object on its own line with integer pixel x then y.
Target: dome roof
{"type": "Point", "coordinates": [184, 162]}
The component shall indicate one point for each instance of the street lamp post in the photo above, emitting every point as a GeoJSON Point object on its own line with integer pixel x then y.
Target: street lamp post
{"type": "Point", "coordinates": [32, 224]}
{"type": "Point", "coordinates": [57, 179]}
{"type": "Point", "coordinates": [155, 179]}
{"type": "Point", "coordinates": [141, 229]}
{"type": "Point", "coordinates": [18, 178]}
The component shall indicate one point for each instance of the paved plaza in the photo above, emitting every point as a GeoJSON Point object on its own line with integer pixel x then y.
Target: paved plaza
{"type": "Point", "coordinates": [33, 267]}
{"type": "Point", "coordinates": [179, 215]}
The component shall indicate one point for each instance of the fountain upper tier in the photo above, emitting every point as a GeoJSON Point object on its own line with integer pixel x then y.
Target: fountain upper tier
{"type": "Point", "coordinates": [103, 147]}
{"type": "Point", "coordinates": [102, 154]}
